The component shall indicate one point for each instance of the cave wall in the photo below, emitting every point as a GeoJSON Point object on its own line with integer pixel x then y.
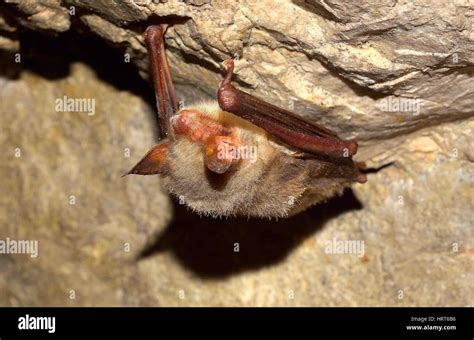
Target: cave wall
{"type": "Point", "coordinates": [397, 76]}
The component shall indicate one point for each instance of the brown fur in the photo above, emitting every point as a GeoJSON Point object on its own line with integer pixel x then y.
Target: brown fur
{"type": "Point", "coordinates": [276, 184]}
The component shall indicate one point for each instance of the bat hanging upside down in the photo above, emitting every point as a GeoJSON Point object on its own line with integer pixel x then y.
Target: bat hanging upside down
{"type": "Point", "coordinates": [239, 155]}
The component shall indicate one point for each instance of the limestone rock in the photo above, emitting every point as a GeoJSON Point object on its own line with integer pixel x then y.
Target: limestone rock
{"type": "Point", "coordinates": [398, 76]}
{"type": "Point", "coordinates": [47, 15]}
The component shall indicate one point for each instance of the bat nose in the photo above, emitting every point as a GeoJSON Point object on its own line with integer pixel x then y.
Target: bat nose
{"type": "Point", "coordinates": [220, 154]}
{"type": "Point", "coordinates": [182, 122]}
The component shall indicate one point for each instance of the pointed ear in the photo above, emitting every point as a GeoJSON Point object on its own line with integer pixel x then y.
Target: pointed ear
{"type": "Point", "coordinates": [153, 162]}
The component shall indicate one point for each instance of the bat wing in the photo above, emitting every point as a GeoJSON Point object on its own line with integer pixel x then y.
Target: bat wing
{"type": "Point", "coordinates": [280, 123]}
{"type": "Point", "coordinates": [166, 102]}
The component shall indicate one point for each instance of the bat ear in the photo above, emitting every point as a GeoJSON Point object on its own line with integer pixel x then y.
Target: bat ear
{"type": "Point", "coordinates": [152, 163]}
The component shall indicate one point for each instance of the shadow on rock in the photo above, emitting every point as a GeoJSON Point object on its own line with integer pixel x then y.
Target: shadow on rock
{"type": "Point", "coordinates": [51, 58]}
{"type": "Point", "coordinates": [207, 246]}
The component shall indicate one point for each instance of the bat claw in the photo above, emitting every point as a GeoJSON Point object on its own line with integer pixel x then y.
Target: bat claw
{"type": "Point", "coordinates": [228, 63]}
{"type": "Point", "coordinates": [229, 70]}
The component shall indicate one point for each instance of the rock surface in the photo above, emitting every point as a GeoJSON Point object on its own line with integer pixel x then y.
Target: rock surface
{"type": "Point", "coordinates": [398, 76]}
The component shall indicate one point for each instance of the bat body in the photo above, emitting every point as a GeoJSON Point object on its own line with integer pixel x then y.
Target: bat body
{"type": "Point", "coordinates": [239, 155]}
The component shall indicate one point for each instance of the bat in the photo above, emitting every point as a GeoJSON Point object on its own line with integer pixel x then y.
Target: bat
{"type": "Point", "coordinates": [239, 155]}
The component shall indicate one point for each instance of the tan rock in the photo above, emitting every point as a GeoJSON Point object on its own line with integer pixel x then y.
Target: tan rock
{"type": "Point", "coordinates": [396, 76]}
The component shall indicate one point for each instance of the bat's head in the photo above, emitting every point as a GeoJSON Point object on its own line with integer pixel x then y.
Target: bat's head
{"type": "Point", "coordinates": [221, 165]}
{"type": "Point", "coordinates": [215, 159]}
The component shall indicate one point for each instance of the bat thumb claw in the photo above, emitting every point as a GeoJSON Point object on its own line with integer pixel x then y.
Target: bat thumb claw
{"type": "Point", "coordinates": [229, 68]}
{"type": "Point", "coordinates": [228, 63]}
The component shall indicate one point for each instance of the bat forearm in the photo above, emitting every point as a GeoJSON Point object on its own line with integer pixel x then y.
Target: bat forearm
{"type": "Point", "coordinates": [282, 124]}
{"type": "Point", "coordinates": [166, 102]}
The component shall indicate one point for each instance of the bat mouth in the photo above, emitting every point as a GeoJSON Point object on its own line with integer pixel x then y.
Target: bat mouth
{"type": "Point", "coordinates": [219, 167]}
